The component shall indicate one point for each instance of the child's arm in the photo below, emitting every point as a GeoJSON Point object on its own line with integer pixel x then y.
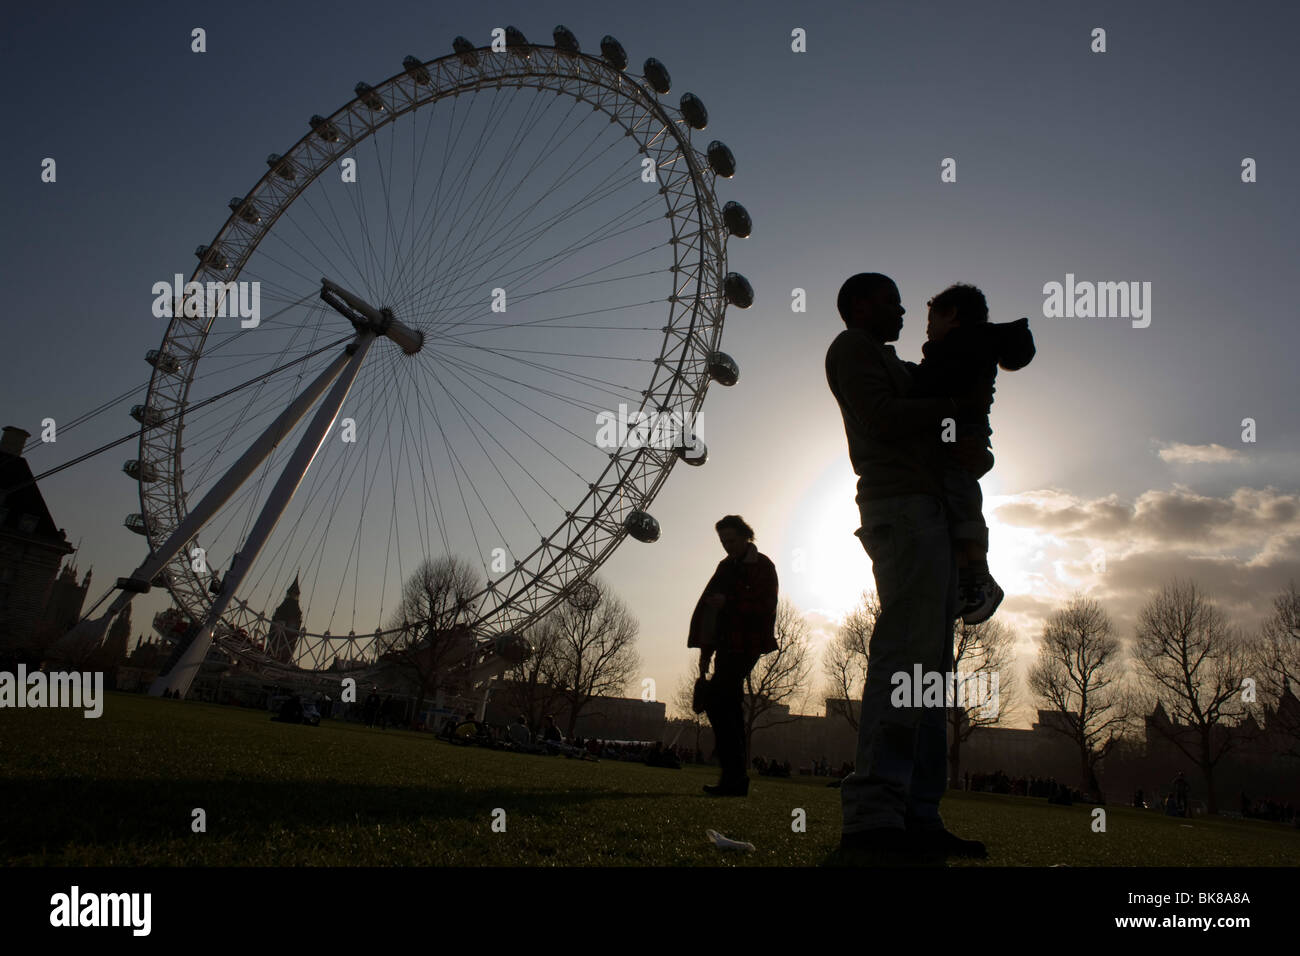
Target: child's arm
{"type": "Point", "coordinates": [1015, 344]}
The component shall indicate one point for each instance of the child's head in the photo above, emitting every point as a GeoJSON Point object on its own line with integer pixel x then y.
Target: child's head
{"type": "Point", "coordinates": [955, 306]}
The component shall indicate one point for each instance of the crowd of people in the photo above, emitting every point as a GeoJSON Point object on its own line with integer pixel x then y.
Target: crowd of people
{"type": "Point", "coordinates": [550, 739]}
{"type": "Point", "coordinates": [1176, 803]}
{"type": "Point", "coordinates": [656, 754]}
{"type": "Point", "coordinates": [1031, 786]}
{"type": "Point", "coordinates": [771, 768]}
{"type": "Point", "coordinates": [822, 768]}
{"type": "Point", "coordinates": [386, 712]}
{"type": "Point", "coordinates": [1268, 808]}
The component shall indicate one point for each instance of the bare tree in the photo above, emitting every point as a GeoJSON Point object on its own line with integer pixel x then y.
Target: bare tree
{"type": "Point", "coordinates": [594, 653]}
{"type": "Point", "coordinates": [1277, 661]}
{"type": "Point", "coordinates": [683, 699]}
{"type": "Point", "coordinates": [1194, 664]}
{"type": "Point", "coordinates": [525, 688]}
{"type": "Point", "coordinates": [1079, 676]}
{"type": "Point", "coordinates": [983, 660]}
{"type": "Point", "coordinates": [845, 661]}
{"type": "Point", "coordinates": [779, 677]}
{"type": "Point", "coordinates": [431, 634]}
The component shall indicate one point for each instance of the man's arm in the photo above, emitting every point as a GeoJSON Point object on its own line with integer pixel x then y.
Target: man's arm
{"type": "Point", "coordinates": [863, 384]}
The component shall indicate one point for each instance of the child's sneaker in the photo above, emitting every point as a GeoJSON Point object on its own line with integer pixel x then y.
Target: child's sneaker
{"type": "Point", "coordinates": [980, 598]}
{"type": "Point", "coordinates": [965, 578]}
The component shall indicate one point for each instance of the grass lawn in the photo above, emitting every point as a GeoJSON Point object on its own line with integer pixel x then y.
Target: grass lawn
{"type": "Point", "coordinates": [120, 791]}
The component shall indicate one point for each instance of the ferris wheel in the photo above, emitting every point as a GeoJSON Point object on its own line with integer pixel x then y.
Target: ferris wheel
{"type": "Point", "coordinates": [473, 312]}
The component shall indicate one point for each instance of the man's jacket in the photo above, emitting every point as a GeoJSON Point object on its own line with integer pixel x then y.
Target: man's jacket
{"type": "Point", "coordinates": [894, 439]}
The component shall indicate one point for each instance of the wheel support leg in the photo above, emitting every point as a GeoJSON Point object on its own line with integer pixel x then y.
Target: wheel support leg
{"type": "Point", "coordinates": [182, 674]}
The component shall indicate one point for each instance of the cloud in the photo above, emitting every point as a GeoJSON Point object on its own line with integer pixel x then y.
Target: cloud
{"type": "Point", "coordinates": [822, 626]}
{"type": "Point", "coordinates": [1157, 519]}
{"type": "Point", "coordinates": [1179, 454]}
{"type": "Point", "coordinates": [1242, 547]}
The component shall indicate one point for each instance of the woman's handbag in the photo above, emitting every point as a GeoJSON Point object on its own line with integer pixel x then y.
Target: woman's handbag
{"type": "Point", "coordinates": [700, 698]}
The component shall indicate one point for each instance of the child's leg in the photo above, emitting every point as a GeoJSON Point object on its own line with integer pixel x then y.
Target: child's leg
{"type": "Point", "coordinates": [966, 507]}
{"type": "Point", "coordinates": [965, 521]}
{"type": "Point", "coordinates": [980, 593]}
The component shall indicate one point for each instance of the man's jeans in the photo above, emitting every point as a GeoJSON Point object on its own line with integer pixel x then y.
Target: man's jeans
{"type": "Point", "coordinates": [901, 767]}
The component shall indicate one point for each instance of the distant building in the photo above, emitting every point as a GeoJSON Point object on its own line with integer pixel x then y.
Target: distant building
{"type": "Point", "coordinates": [140, 668]}
{"type": "Point", "coordinates": [286, 626]}
{"type": "Point", "coordinates": [31, 550]}
{"type": "Point", "coordinates": [619, 718]}
{"type": "Point", "coordinates": [113, 651]}
{"type": "Point", "coordinates": [67, 597]}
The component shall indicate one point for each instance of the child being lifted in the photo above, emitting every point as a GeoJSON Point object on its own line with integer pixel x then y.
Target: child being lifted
{"type": "Point", "coordinates": [963, 350]}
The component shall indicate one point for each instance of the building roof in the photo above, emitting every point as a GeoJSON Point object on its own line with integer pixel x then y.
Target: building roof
{"type": "Point", "coordinates": [22, 507]}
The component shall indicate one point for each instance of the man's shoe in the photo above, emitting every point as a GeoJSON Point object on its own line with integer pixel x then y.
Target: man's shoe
{"type": "Point", "coordinates": [942, 840]}
{"type": "Point", "coordinates": [877, 838]}
{"type": "Point", "coordinates": [890, 845]}
{"type": "Point", "coordinates": [738, 789]}
{"type": "Point", "coordinates": [981, 601]}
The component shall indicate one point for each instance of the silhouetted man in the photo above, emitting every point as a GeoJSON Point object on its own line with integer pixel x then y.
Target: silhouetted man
{"type": "Point", "coordinates": [891, 800]}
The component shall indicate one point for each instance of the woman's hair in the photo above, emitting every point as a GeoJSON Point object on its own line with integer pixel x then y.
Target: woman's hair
{"type": "Point", "coordinates": [737, 523]}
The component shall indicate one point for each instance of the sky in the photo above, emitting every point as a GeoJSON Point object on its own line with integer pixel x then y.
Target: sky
{"type": "Point", "coordinates": [1122, 166]}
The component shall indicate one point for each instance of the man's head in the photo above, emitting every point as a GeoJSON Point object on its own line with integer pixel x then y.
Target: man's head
{"type": "Point", "coordinates": [957, 305]}
{"type": "Point", "coordinates": [870, 301]}
{"type": "Point", "coordinates": [734, 534]}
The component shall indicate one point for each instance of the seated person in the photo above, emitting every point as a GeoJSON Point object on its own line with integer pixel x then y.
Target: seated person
{"type": "Point", "coordinates": [519, 732]}
{"type": "Point", "coordinates": [554, 740]}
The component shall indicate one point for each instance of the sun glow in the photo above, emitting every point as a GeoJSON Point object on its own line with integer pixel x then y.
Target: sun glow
{"type": "Point", "coordinates": [823, 566]}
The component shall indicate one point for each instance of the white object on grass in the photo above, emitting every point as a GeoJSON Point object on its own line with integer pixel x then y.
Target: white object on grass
{"type": "Point", "coordinates": [725, 844]}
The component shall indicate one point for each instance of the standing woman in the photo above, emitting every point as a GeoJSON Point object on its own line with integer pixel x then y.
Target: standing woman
{"type": "Point", "coordinates": [734, 624]}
